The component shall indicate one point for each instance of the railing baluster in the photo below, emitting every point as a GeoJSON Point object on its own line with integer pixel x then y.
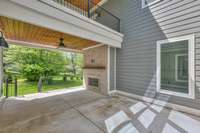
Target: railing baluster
{"type": "Point", "coordinates": [6, 87]}
{"type": "Point", "coordinates": [88, 8]}
{"type": "Point", "coordinates": [16, 89]}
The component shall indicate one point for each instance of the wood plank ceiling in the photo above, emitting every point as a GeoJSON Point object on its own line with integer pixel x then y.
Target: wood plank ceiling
{"type": "Point", "coordinates": [21, 31]}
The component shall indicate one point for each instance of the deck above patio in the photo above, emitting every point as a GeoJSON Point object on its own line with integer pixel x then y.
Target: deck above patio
{"type": "Point", "coordinates": [46, 22]}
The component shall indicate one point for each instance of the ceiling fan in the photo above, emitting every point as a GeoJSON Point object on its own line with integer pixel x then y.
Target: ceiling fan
{"type": "Point", "coordinates": [61, 43]}
{"type": "Point", "coordinates": [64, 47]}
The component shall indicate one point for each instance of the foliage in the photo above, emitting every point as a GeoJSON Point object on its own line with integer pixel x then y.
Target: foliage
{"type": "Point", "coordinates": [31, 63]}
{"type": "Point", "coordinates": [75, 63]}
{"type": "Point", "coordinates": [34, 63]}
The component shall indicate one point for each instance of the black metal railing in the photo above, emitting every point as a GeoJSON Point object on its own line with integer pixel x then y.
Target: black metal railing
{"type": "Point", "coordinates": [10, 87]}
{"type": "Point", "coordinates": [93, 11]}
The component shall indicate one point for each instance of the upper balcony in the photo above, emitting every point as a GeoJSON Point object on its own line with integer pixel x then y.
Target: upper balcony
{"type": "Point", "coordinates": [81, 23]}
{"type": "Point", "coordinates": [93, 9]}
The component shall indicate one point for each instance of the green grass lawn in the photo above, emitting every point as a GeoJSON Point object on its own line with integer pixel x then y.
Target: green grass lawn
{"type": "Point", "coordinates": [25, 87]}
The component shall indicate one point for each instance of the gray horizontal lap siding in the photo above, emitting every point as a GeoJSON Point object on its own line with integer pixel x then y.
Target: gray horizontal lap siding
{"type": "Point", "coordinates": [136, 60]}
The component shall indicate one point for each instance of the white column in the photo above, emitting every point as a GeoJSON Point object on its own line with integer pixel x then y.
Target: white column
{"type": "Point", "coordinates": [115, 69]}
{"type": "Point", "coordinates": [108, 69]}
{"type": "Point", "coordinates": [1, 70]}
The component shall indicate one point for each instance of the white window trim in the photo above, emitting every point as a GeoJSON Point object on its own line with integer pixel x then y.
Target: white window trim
{"type": "Point", "coordinates": [176, 67]}
{"type": "Point", "coordinates": [191, 79]}
{"type": "Point", "coordinates": [172, 85]}
{"type": "Point", "coordinates": [144, 5]}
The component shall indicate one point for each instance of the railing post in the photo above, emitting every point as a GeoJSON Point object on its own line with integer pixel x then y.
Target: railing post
{"type": "Point", "coordinates": [119, 25]}
{"type": "Point", "coordinates": [88, 8]}
{"type": "Point", "coordinates": [7, 91]}
{"type": "Point", "coordinates": [16, 89]}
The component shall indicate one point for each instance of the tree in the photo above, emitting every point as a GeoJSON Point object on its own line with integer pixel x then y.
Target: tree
{"type": "Point", "coordinates": [33, 63]}
{"type": "Point", "coordinates": [75, 63]}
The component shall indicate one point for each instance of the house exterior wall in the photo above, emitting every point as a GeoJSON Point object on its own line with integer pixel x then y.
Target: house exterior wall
{"type": "Point", "coordinates": [136, 60]}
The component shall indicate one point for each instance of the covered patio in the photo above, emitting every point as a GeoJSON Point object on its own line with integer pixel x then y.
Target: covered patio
{"type": "Point", "coordinates": [49, 25]}
{"type": "Point", "coordinates": [83, 111]}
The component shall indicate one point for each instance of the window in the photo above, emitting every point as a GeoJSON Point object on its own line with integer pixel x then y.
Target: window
{"type": "Point", "coordinates": [175, 66]}
{"type": "Point", "coordinates": [181, 67]}
{"type": "Point", "coordinates": [146, 3]}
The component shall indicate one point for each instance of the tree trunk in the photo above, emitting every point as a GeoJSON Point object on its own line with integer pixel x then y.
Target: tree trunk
{"type": "Point", "coordinates": [73, 63]}
{"type": "Point", "coordinates": [40, 85]}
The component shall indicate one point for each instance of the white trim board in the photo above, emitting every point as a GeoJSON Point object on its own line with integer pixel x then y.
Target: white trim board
{"type": "Point", "coordinates": [173, 106]}
{"type": "Point", "coordinates": [191, 66]}
{"type": "Point", "coordinates": [108, 69]}
{"type": "Point", "coordinates": [115, 68]}
{"type": "Point", "coordinates": [95, 46]}
{"type": "Point", "coordinates": [149, 4]}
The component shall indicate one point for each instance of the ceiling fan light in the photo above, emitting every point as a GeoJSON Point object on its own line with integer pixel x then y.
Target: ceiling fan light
{"type": "Point", "coordinates": [61, 44]}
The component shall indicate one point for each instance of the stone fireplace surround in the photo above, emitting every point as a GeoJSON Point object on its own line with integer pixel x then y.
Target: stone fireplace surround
{"type": "Point", "coordinates": [95, 66]}
{"type": "Point", "coordinates": [99, 74]}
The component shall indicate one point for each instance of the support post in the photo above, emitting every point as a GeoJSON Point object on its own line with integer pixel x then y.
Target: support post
{"type": "Point", "coordinates": [1, 72]}
{"type": "Point", "coordinates": [40, 85]}
{"type": "Point", "coordinates": [108, 69]}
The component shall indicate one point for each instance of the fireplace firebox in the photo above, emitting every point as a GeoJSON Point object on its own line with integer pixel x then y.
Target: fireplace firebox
{"type": "Point", "coordinates": [93, 82]}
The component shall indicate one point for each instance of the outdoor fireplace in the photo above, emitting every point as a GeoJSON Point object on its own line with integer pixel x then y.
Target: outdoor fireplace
{"type": "Point", "coordinates": [95, 80]}
{"type": "Point", "coordinates": [95, 69]}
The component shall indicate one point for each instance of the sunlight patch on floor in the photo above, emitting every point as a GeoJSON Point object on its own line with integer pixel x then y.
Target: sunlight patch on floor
{"type": "Point", "coordinates": [157, 108]}
{"type": "Point", "coordinates": [129, 128]}
{"type": "Point", "coordinates": [115, 120]}
{"type": "Point", "coordinates": [137, 107]}
{"type": "Point", "coordinates": [146, 118]}
{"type": "Point", "coordinates": [169, 129]}
{"type": "Point", "coordinates": [161, 103]}
{"type": "Point", "coordinates": [185, 122]}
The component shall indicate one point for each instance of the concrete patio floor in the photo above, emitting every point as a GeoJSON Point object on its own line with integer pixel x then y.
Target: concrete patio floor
{"type": "Point", "coordinates": [84, 111]}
